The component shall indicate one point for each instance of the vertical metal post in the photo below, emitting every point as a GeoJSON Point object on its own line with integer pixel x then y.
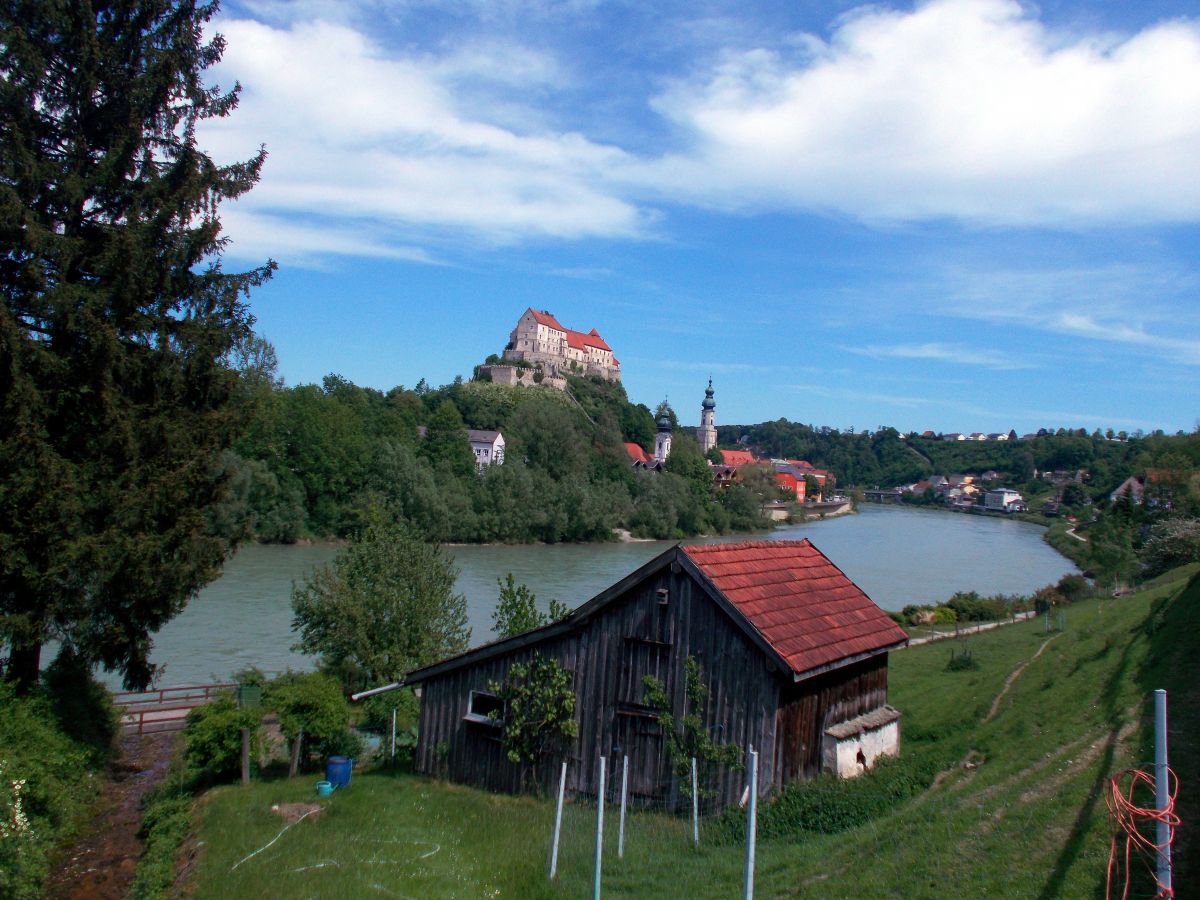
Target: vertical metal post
{"type": "Point", "coordinates": [1162, 791]}
{"type": "Point", "coordinates": [624, 795]}
{"type": "Point", "coordinates": [751, 827]}
{"type": "Point", "coordinates": [695, 808]}
{"type": "Point", "coordinates": [562, 785]}
{"type": "Point", "coordinates": [393, 754]}
{"type": "Point", "coordinates": [599, 830]}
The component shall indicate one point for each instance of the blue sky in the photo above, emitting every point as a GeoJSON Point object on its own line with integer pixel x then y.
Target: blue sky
{"type": "Point", "coordinates": [961, 215]}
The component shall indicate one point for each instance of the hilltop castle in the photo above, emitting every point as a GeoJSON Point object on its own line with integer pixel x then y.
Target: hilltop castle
{"type": "Point", "coordinates": [539, 339]}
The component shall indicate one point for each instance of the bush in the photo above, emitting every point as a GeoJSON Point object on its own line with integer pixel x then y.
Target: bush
{"type": "Point", "coordinates": [377, 711]}
{"type": "Point", "coordinates": [829, 805]}
{"type": "Point", "coordinates": [311, 702]}
{"type": "Point", "coordinates": [213, 739]}
{"type": "Point", "coordinates": [45, 784]}
{"type": "Point", "coordinates": [165, 825]}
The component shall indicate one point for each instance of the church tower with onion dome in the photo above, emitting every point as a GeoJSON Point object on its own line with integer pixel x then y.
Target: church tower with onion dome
{"type": "Point", "coordinates": [706, 434]}
{"type": "Point", "coordinates": [662, 440]}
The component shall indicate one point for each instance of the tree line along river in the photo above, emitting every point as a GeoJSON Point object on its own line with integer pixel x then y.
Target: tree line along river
{"type": "Point", "coordinates": [897, 555]}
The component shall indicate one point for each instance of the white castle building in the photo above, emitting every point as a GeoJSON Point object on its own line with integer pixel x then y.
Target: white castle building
{"type": "Point", "coordinates": [539, 338]}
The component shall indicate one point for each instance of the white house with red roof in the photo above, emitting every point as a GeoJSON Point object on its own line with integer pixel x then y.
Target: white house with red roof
{"type": "Point", "coordinates": [539, 338]}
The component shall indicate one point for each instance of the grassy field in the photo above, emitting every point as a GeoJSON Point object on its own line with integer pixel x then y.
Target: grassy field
{"type": "Point", "coordinates": [1035, 731]}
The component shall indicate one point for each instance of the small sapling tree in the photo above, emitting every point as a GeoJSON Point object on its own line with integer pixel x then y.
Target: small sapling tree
{"type": "Point", "coordinates": [539, 712]}
{"type": "Point", "coordinates": [517, 611]}
{"type": "Point", "coordinates": [686, 736]}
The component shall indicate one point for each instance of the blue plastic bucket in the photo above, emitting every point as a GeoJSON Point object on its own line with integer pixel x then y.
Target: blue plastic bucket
{"type": "Point", "coordinates": [324, 788]}
{"type": "Point", "coordinates": [337, 771]}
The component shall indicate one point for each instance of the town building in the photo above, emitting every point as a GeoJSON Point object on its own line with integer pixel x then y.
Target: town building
{"type": "Point", "coordinates": [793, 654]}
{"type": "Point", "coordinates": [488, 447]}
{"type": "Point", "coordinates": [540, 340]}
{"type": "Point", "coordinates": [1004, 500]}
{"type": "Point", "coordinates": [706, 434]}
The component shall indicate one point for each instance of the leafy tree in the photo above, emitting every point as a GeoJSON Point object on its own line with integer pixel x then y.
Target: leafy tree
{"type": "Point", "coordinates": [517, 610]}
{"type": "Point", "coordinates": [312, 703]}
{"type": "Point", "coordinates": [1111, 550]}
{"type": "Point", "coordinates": [384, 607]}
{"type": "Point", "coordinates": [445, 445]}
{"type": "Point", "coordinates": [1172, 542]}
{"type": "Point", "coordinates": [689, 463]}
{"type": "Point", "coordinates": [539, 710]}
{"type": "Point", "coordinates": [117, 325]}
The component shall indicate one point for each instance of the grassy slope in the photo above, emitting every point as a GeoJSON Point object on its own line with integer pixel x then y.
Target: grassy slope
{"type": "Point", "coordinates": [1026, 818]}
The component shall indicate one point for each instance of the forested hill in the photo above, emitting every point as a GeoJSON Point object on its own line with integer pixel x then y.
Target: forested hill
{"type": "Point", "coordinates": [885, 458]}
{"type": "Point", "coordinates": [319, 460]}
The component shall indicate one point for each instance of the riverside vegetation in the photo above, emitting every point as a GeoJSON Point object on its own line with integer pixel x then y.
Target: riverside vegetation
{"type": "Point", "coordinates": [1012, 753]}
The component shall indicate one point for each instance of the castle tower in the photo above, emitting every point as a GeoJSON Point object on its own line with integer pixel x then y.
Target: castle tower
{"type": "Point", "coordinates": [662, 440]}
{"type": "Point", "coordinates": [706, 434]}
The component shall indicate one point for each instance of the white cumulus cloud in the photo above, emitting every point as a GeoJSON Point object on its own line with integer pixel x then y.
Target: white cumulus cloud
{"type": "Point", "coordinates": [376, 143]}
{"type": "Point", "coordinates": [966, 109]}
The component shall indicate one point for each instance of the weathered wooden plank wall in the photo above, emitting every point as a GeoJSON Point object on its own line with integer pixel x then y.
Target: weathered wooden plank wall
{"type": "Point", "coordinates": [643, 633]}
{"type": "Point", "coordinates": [809, 707]}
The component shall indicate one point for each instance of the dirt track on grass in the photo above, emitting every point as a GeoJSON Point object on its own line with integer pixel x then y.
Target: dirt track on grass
{"type": "Point", "coordinates": [101, 864]}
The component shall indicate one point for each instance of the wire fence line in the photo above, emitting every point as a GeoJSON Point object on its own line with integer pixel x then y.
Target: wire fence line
{"type": "Point", "coordinates": [609, 817]}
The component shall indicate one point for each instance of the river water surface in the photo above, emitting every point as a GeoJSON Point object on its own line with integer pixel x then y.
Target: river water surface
{"type": "Point", "coordinates": [898, 555]}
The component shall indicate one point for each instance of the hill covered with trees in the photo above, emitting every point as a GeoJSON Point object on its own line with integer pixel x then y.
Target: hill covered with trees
{"type": "Point", "coordinates": [317, 459]}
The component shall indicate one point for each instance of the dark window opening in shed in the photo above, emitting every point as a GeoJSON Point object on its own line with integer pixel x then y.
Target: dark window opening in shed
{"type": "Point", "coordinates": [485, 709]}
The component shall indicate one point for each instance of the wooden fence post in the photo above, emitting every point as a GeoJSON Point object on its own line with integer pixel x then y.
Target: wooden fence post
{"type": "Point", "coordinates": [245, 756]}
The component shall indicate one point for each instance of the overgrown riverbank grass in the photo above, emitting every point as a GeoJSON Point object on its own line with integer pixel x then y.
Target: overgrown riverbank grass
{"type": "Point", "coordinates": [1038, 732]}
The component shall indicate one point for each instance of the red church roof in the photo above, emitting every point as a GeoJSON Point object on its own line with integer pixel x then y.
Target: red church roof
{"type": "Point", "coordinates": [803, 605]}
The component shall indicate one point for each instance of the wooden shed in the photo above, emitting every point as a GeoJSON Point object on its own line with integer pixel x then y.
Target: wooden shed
{"type": "Point", "coordinates": [793, 653]}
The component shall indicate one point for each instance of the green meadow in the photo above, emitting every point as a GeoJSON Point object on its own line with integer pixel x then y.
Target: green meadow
{"type": "Point", "coordinates": [1024, 745]}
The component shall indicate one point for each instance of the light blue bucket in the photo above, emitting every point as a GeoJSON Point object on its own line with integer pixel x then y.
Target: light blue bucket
{"type": "Point", "coordinates": [324, 788]}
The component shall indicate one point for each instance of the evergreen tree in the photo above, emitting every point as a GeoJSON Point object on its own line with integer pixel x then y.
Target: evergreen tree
{"type": "Point", "coordinates": [117, 328]}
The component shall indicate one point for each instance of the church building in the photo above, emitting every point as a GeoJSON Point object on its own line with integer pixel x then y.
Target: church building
{"type": "Point", "coordinates": [706, 434]}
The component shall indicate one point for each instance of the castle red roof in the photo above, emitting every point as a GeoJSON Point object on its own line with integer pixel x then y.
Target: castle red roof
{"type": "Point", "coordinates": [544, 318]}
{"type": "Point", "coordinates": [803, 605]}
{"type": "Point", "coordinates": [579, 340]}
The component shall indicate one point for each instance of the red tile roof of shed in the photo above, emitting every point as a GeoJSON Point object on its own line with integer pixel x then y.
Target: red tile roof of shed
{"type": "Point", "coordinates": [802, 604]}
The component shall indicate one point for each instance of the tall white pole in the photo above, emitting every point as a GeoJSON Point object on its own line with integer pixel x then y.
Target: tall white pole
{"type": "Point", "coordinates": [1162, 791]}
{"type": "Point", "coordinates": [562, 785]}
{"type": "Point", "coordinates": [624, 795]}
{"type": "Point", "coordinates": [695, 808]}
{"type": "Point", "coordinates": [393, 756]}
{"type": "Point", "coordinates": [599, 829]}
{"type": "Point", "coordinates": [751, 827]}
